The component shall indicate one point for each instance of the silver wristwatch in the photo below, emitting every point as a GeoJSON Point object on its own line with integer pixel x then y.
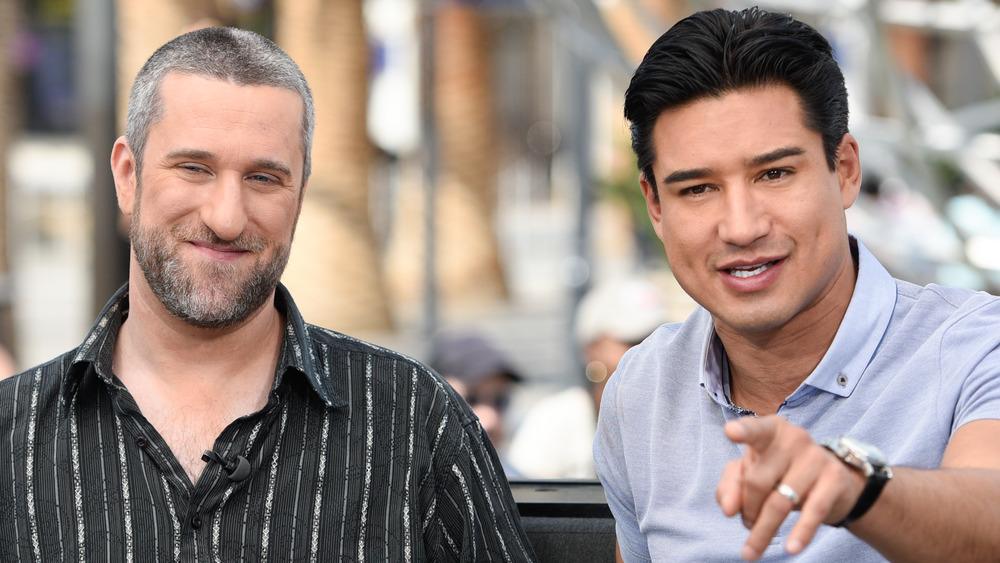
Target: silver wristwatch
{"type": "Point", "coordinates": [871, 462]}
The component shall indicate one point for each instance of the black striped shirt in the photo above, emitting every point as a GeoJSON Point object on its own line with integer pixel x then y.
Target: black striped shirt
{"type": "Point", "coordinates": [361, 454]}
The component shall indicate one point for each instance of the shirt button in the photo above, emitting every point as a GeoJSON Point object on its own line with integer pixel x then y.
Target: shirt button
{"type": "Point", "coordinates": [842, 380]}
{"type": "Point", "coordinates": [141, 441]}
{"type": "Point", "coordinates": [196, 522]}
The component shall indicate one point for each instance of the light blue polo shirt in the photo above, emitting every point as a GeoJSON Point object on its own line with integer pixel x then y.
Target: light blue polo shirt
{"type": "Point", "coordinates": [908, 366]}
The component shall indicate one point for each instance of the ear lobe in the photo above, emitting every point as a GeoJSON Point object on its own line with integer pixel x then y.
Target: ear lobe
{"type": "Point", "coordinates": [123, 170]}
{"type": "Point", "coordinates": [653, 204]}
{"type": "Point", "coordinates": [849, 169]}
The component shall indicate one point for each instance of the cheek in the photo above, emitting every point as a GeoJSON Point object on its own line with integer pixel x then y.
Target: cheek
{"type": "Point", "coordinates": [685, 237]}
{"type": "Point", "coordinates": [821, 216]}
{"type": "Point", "coordinates": [152, 207]}
{"type": "Point", "coordinates": [275, 218]}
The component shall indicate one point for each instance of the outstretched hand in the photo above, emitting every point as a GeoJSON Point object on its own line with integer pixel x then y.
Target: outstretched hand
{"type": "Point", "coordinates": [779, 453]}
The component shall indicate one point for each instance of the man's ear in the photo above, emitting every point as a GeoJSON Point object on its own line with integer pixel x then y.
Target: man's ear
{"type": "Point", "coordinates": [124, 172]}
{"type": "Point", "coordinates": [653, 205]}
{"type": "Point", "coordinates": [849, 169]}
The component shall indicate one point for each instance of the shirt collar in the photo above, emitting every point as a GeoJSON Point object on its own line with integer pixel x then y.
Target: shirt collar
{"type": "Point", "coordinates": [860, 332]}
{"type": "Point", "coordinates": [853, 346]}
{"type": "Point", "coordinates": [299, 354]}
{"type": "Point", "coordinates": [297, 350]}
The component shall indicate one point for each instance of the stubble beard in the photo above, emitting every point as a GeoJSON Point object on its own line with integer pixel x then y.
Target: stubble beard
{"type": "Point", "coordinates": [208, 295]}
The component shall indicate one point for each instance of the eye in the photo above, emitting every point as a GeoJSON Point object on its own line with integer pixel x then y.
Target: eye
{"type": "Point", "coordinates": [694, 190]}
{"type": "Point", "coordinates": [192, 168]}
{"type": "Point", "coordinates": [265, 181]}
{"type": "Point", "coordinates": [776, 173]}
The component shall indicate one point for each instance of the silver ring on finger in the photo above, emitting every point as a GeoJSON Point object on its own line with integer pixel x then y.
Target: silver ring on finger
{"type": "Point", "coordinates": [789, 493]}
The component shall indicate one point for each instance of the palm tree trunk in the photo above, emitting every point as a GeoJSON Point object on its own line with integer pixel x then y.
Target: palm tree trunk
{"type": "Point", "coordinates": [468, 253]}
{"type": "Point", "coordinates": [334, 271]}
{"type": "Point", "coordinates": [10, 20]}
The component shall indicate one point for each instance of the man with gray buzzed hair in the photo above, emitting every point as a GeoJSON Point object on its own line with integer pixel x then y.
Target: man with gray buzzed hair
{"type": "Point", "coordinates": [202, 418]}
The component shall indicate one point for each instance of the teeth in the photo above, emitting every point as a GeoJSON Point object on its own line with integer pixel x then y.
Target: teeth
{"type": "Point", "coordinates": [750, 271]}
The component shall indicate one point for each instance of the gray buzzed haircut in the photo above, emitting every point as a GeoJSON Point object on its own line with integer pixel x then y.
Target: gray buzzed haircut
{"type": "Point", "coordinates": [234, 55]}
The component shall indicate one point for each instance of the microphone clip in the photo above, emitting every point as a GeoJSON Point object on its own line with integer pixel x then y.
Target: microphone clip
{"type": "Point", "coordinates": [237, 468]}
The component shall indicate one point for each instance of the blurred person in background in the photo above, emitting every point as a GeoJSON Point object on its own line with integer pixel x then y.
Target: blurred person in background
{"type": "Point", "coordinates": [8, 366]}
{"type": "Point", "coordinates": [556, 438]}
{"type": "Point", "coordinates": [202, 418]}
{"type": "Point", "coordinates": [484, 377]}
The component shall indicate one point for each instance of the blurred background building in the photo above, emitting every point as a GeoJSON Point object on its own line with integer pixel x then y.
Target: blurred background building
{"type": "Point", "coordinates": [471, 165]}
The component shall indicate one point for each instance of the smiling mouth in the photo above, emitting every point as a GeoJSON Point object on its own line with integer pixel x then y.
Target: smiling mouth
{"type": "Point", "coordinates": [228, 248]}
{"type": "Point", "coordinates": [750, 271]}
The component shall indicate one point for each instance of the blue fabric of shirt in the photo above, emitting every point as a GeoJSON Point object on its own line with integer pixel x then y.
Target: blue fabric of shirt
{"type": "Point", "coordinates": [908, 366]}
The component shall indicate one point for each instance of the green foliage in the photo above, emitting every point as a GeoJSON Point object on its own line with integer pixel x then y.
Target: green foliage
{"type": "Point", "coordinates": [625, 188]}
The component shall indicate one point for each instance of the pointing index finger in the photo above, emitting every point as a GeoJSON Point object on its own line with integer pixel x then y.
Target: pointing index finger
{"type": "Point", "coordinates": [754, 432]}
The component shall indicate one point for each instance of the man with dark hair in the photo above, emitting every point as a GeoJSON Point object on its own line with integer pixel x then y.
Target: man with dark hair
{"type": "Point", "coordinates": [805, 361]}
{"type": "Point", "coordinates": [202, 419]}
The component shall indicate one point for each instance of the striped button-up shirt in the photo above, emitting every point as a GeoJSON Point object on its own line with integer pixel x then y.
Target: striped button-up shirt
{"type": "Point", "coordinates": [361, 454]}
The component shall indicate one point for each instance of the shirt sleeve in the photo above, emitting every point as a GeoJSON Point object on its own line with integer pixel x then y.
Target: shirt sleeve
{"type": "Point", "coordinates": [609, 460]}
{"type": "Point", "coordinates": [476, 518]}
{"type": "Point", "coordinates": [973, 347]}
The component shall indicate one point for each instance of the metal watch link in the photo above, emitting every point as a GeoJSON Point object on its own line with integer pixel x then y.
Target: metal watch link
{"type": "Point", "coordinates": [871, 462]}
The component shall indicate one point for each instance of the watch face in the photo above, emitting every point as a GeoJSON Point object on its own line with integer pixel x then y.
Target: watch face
{"type": "Point", "coordinates": [864, 451]}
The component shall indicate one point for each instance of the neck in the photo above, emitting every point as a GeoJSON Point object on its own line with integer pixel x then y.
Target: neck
{"type": "Point", "coordinates": [765, 367]}
{"type": "Point", "coordinates": [188, 382]}
{"type": "Point", "coordinates": [160, 346]}
{"type": "Point", "coordinates": [760, 379]}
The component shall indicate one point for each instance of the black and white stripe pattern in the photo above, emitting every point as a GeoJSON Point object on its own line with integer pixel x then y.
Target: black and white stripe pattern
{"type": "Point", "coordinates": [361, 454]}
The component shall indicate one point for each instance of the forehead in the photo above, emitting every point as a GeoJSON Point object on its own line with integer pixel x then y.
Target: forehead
{"type": "Point", "coordinates": [191, 91]}
{"type": "Point", "coordinates": [216, 115]}
{"type": "Point", "coordinates": [739, 124]}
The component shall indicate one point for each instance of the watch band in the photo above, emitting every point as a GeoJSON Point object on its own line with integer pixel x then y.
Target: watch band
{"type": "Point", "coordinates": [876, 481]}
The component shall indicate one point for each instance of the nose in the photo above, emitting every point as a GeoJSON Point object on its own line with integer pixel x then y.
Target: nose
{"type": "Point", "coordinates": [224, 212]}
{"type": "Point", "coordinates": [744, 219]}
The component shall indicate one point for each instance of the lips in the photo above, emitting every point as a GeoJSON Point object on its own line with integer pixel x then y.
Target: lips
{"type": "Point", "coordinates": [219, 247]}
{"type": "Point", "coordinates": [751, 270]}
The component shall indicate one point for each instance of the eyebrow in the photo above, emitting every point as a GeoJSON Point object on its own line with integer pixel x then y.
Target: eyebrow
{"type": "Point", "coordinates": [189, 153]}
{"type": "Point", "coordinates": [274, 166]}
{"type": "Point", "coordinates": [262, 163]}
{"type": "Point", "coordinates": [685, 175]}
{"type": "Point", "coordinates": [694, 173]}
{"type": "Point", "coordinates": [775, 155]}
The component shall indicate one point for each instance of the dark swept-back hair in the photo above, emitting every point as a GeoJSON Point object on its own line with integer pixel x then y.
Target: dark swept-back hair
{"type": "Point", "coordinates": [712, 53]}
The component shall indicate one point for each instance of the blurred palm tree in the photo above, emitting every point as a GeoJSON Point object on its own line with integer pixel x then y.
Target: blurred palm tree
{"type": "Point", "coordinates": [10, 21]}
{"type": "Point", "coordinates": [334, 271]}
{"type": "Point", "coordinates": [468, 254]}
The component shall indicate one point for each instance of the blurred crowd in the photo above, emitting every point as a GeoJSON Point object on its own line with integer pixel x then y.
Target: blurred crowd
{"type": "Point", "coordinates": [7, 366]}
{"type": "Point", "coordinates": [553, 438]}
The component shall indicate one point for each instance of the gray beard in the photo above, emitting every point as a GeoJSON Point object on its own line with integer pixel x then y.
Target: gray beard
{"type": "Point", "coordinates": [220, 295]}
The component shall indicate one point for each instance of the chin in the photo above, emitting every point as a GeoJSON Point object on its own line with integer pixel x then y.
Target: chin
{"type": "Point", "coordinates": [753, 321]}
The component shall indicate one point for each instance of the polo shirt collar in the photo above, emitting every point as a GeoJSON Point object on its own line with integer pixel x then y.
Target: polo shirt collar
{"type": "Point", "coordinates": [861, 331]}
{"type": "Point", "coordinates": [853, 346]}
{"type": "Point", "coordinates": [297, 350]}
